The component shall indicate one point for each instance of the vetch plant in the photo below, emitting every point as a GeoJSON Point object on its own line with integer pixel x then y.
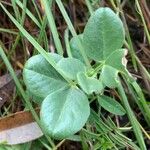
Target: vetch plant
{"type": "Point", "coordinates": [64, 87]}
{"type": "Point", "coordinates": [65, 103]}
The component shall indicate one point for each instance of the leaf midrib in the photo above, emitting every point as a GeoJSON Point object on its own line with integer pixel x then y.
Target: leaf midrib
{"type": "Point", "coordinates": [66, 99]}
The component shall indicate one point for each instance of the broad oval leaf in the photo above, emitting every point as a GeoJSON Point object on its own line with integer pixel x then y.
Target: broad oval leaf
{"type": "Point", "coordinates": [71, 67]}
{"type": "Point", "coordinates": [89, 84]}
{"type": "Point", "coordinates": [41, 78]}
{"type": "Point", "coordinates": [111, 105]}
{"type": "Point", "coordinates": [103, 34]}
{"type": "Point", "coordinates": [74, 47]}
{"type": "Point", "coordinates": [64, 112]}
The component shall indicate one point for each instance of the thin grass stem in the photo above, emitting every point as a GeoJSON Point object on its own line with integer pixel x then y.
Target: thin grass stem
{"type": "Point", "coordinates": [132, 118]}
{"type": "Point", "coordinates": [52, 26]}
{"type": "Point", "coordinates": [72, 30]}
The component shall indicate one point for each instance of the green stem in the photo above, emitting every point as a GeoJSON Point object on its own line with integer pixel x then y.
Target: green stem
{"type": "Point", "coordinates": [89, 6]}
{"type": "Point", "coordinates": [142, 102]}
{"type": "Point", "coordinates": [36, 9]}
{"type": "Point", "coordinates": [143, 20]}
{"type": "Point", "coordinates": [67, 43]}
{"type": "Point", "coordinates": [143, 68]}
{"type": "Point", "coordinates": [53, 27]}
{"type": "Point", "coordinates": [42, 35]}
{"type": "Point", "coordinates": [139, 99]}
{"type": "Point", "coordinates": [72, 30]}
{"type": "Point", "coordinates": [132, 118]}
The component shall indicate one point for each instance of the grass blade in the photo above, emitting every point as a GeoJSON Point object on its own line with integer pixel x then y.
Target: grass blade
{"type": "Point", "coordinates": [72, 30]}
{"type": "Point", "coordinates": [52, 25]}
{"type": "Point", "coordinates": [35, 44]}
{"type": "Point", "coordinates": [132, 118]}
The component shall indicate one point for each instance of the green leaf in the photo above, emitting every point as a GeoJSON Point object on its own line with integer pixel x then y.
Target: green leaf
{"type": "Point", "coordinates": [75, 51]}
{"type": "Point", "coordinates": [41, 78]}
{"type": "Point", "coordinates": [64, 112]}
{"type": "Point", "coordinates": [109, 76]}
{"type": "Point", "coordinates": [114, 64]}
{"type": "Point", "coordinates": [89, 84]}
{"type": "Point", "coordinates": [34, 98]}
{"type": "Point", "coordinates": [71, 67]}
{"type": "Point", "coordinates": [111, 105]}
{"type": "Point", "coordinates": [103, 34]}
{"type": "Point", "coordinates": [117, 59]}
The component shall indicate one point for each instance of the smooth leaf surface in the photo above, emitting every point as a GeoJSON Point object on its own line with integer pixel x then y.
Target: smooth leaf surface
{"type": "Point", "coordinates": [117, 59]}
{"type": "Point", "coordinates": [111, 105]}
{"type": "Point", "coordinates": [89, 84]}
{"type": "Point", "coordinates": [109, 76]}
{"type": "Point", "coordinates": [71, 67]}
{"type": "Point", "coordinates": [115, 63]}
{"type": "Point", "coordinates": [75, 51]}
{"type": "Point", "coordinates": [40, 77]}
{"type": "Point", "coordinates": [64, 112]}
{"type": "Point", "coordinates": [103, 34]}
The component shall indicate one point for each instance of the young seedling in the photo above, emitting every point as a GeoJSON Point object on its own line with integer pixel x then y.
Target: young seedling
{"type": "Point", "coordinates": [64, 106]}
{"type": "Point", "coordinates": [64, 87]}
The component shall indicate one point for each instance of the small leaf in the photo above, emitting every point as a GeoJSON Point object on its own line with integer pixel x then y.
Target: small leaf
{"type": "Point", "coordinates": [71, 67]}
{"type": "Point", "coordinates": [103, 34]}
{"type": "Point", "coordinates": [111, 105]}
{"type": "Point", "coordinates": [64, 112]}
{"type": "Point", "coordinates": [117, 59]}
{"type": "Point", "coordinates": [75, 47]}
{"type": "Point", "coordinates": [41, 78]}
{"type": "Point", "coordinates": [89, 84]}
{"type": "Point", "coordinates": [112, 66]}
{"type": "Point", "coordinates": [109, 76]}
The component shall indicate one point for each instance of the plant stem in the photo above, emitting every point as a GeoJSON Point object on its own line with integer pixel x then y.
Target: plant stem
{"type": "Point", "coordinates": [142, 101]}
{"type": "Point", "coordinates": [139, 99]}
{"type": "Point", "coordinates": [72, 30]}
{"type": "Point", "coordinates": [143, 20]}
{"type": "Point", "coordinates": [28, 12]}
{"type": "Point", "coordinates": [42, 36]}
{"type": "Point", "coordinates": [132, 118]}
{"type": "Point", "coordinates": [143, 68]}
{"type": "Point", "coordinates": [89, 6]}
{"type": "Point", "coordinates": [67, 43]}
{"type": "Point", "coordinates": [53, 27]}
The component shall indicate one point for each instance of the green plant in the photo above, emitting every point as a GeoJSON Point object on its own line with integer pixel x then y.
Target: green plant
{"type": "Point", "coordinates": [64, 90]}
{"type": "Point", "coordinates": [65, 87]}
